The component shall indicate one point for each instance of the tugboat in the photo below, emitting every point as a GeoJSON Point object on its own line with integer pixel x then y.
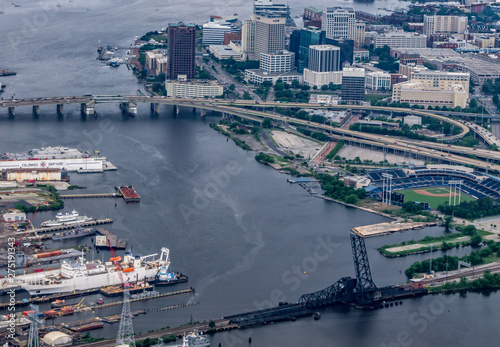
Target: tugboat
{"type": "Point", "coordinates": [163, 277]}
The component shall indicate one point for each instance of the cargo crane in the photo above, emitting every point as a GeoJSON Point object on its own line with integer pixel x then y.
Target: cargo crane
{"type": "Point", "coordinates": [125, 336]}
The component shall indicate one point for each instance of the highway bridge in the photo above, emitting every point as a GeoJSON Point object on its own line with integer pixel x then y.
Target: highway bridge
{"type": "Point", "coordinates": [246, 109]}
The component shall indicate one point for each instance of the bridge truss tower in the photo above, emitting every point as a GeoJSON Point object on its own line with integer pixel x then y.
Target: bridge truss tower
{"type": "Point", "coordinates": [365, 287]}
{"type": "Point", "coordinates": [125, 336]}
{"type": "Point", "coordinates": [33, 338]}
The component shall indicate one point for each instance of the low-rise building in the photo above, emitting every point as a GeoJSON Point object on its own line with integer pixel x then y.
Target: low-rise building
{"type": "Point", "coordinates": [398, 40]}
{"type": "Point", "coordinates": [258, 76]}
{"type": "Point", "coordinates": [413, 120]}
{"type": "Point", "coordinates": [361, 54]}
{"type": "Point", "coordinates": [14, 216]}
{"type": "Point", "coordinates": [193, 89]}
{"type": "Point", "coordinates": [378, 80]}
{"type": "Point", "coordinates": [318, 79]}
{"type": "Point", "coordinates": [224, 52]}
{"type": "Point", "coordinates": [416, 93]}
{"type": "Point", "coordinates": [484, 41]}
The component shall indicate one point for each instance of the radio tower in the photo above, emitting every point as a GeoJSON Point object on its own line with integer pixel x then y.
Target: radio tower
{"type": "Point", "coordinates": [125, 335]}
{"type": "Point", "coordinates": [33, 340]}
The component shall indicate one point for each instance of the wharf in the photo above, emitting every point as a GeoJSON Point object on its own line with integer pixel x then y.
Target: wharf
{"type": "Point", "coordinates": [50, 298]}
{"type": "Point", "coordinates": [388, 228]}
{"type": "Point", "coordinates": [83, 196]}
{"type": "Point", "coordinates": [66, 227]}
{"type": "Point", "coordinates": [118, 290]}
{"type": "Point", "coordinates": [129, 194]}
{"type": "Point", "coordinates": [116, 318]}
{"type": "Point", "coordinates": [110, 238]}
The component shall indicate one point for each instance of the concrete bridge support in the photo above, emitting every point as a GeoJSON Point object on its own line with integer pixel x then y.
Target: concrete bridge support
{"type": "Point", "coordinates": [203, 113]}
{"type": "Point", "coordinates": [155, 108]}
{"type": "Point", "coordinates": [12, 111]}
{"type": "Point", "coordinates": [60, 109]}
{"type": "Point", "coordinates": [88, 108]}
{"type": "Point", "coordinates": [36, 110]}
{"type": "Point", "coordinates": [129, 108]}
{"type": "Point", "coordinates": [176, 110]}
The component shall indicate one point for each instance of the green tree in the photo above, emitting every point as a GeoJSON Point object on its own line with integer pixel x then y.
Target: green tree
{"type": "Point", "coordinates": [476, 240]}
{"type": "Point", "coordinates": [267, 123]}
{"type": "Point", "coordinates": [324, 87]}
{"type": "Point", "coordinates": [232, 87]}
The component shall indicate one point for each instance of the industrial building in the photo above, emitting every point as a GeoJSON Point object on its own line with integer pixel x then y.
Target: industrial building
{"type": "Point", "coordinates": [42, 174]}
{"type": "Point", "coordinates": [14, 216]}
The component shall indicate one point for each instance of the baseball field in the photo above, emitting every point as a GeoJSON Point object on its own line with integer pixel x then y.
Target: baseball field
{"type": "Point", "coordinates": [435, 196]}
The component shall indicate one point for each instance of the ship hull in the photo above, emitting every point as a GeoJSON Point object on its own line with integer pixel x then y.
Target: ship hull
{"type": "Point", "coordinates": [88, 282]}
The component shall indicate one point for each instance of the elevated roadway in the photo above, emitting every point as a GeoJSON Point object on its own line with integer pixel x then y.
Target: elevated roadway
{"type": "Point", "coordinates": [438, 151]}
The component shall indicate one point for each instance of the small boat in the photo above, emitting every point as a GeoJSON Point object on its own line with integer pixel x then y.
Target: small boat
{"type": "Point", "coordinates": [58, 303]}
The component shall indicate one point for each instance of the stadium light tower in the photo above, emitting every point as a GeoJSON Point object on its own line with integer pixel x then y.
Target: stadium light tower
{"type": "Point", "coordinates": [455, 190]}
{"type": "Point", "coordinates": [386, 188]}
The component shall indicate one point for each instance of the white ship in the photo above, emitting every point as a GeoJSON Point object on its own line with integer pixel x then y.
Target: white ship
{"type": "Point", "coordinates": [84, 275]}
{"type": "Point", "coordinates": [66, 219]}
{"type": "Point", "coordinates": [194, 339]}
{"type": "Point", "coordinates": [70, 159]}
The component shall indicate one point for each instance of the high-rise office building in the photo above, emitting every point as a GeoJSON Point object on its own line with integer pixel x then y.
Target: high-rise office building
{"type": "Point", "coordinates": [353, 85]}
{"type": "Point", "coordinates": [277, 62]}
{"type": "Point", "coordinates": [181, 50]}
{"type": "Point", "coordinates": [248, 39]}
{"type": "Point", "coordinates": [308, 36]}
{"type": "Point", "coordinates": [324, 58]}
{"type": "Point", "coordinates": [269, 34]}
{"type": "Point", "coordinates": [359, 36]}
{"type": "Point", "coordinates": [213, 32]}
{"type": "Point", "coordinates": [294, 43]}
{"type": "Point", "coordinates": [339, 22]}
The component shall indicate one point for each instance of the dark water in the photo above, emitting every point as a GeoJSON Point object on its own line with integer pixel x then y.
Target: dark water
{"type": "Point", "coordinates": [245, 237]}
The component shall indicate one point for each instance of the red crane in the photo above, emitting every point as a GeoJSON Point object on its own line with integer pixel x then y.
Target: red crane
{"type": "Point", "coordinates": [116, 261]}
{"type": "Point", "coordinates": [29, 224]}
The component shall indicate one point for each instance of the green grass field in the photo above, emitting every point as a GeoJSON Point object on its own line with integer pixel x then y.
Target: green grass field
{"type": "Point", "coordinates": [434, 201]}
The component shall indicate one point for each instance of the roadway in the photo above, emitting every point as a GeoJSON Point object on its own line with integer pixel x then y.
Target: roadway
{"type": "Point", "coordinates": [433, 150]}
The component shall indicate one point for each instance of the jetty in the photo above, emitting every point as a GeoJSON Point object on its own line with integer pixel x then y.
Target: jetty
{"type": "Point", "coordinates": [388, 228]}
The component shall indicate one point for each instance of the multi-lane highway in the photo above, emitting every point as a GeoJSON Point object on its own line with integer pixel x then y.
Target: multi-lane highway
{"type": "Point", "coordinates": [438, 151]}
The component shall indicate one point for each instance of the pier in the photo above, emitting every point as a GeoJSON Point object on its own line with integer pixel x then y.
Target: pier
{"type": "Point", "coordinates": [88, 196]}
{"type": "Point", "coordinates": [127, 193]}
{"type": "Point", "coordinates": [69, 226]}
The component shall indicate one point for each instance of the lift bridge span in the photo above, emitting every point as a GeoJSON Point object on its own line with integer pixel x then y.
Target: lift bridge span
{"type": "Point", "coordinates": [359, 292]}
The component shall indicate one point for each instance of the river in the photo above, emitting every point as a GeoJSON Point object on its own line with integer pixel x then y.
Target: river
{"type": "Point", "coordinates": [245, 237]}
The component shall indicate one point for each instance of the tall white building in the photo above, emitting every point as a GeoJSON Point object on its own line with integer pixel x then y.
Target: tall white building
{"type": "Point", "coordinates": [445, 24]}
{"type": "Point", "coordinates": [269, 34]}
{"type": "Point", "coordinates": [277, 62]}
{"type": "Point", "coordinates": [248, 40]}
{"type": "Point", "coordinates": [359, 35]}
{"type": "Point", "coordinates": [339, 22]}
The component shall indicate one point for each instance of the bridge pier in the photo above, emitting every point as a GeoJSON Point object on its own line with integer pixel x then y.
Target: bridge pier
{"type": "Point", "coordinates": [36, 110]}
{"type": "Point", "coordinates": [129, 108]}
{"type": "Point", "coordinates": [60, 109]}
{"type": "Point", "coordinates": [12, 111]}
{"type": "Point", "coordinates": [176, 110]}
{"type": "Point", "coordinates": [203, 113]}
{"type": "Point", "coordinates": [88, 108]}
{"type": "Point", "coordinates": [155, 108]}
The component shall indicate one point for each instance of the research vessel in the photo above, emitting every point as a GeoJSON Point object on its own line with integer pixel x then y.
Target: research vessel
{"type": "Point", "coordinates": [69, 218]}
{"type": "Point", "coordinates": [84, 275]}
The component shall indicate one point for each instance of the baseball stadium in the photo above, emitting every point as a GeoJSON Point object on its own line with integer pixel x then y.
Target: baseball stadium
{"type": "Point", "coordinates": [433, 184]}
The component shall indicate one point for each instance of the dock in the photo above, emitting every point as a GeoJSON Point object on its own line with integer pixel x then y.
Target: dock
{"type": "Point", "coordinates": [129, 194]}
{"type": "Point", "coordinates": [388, 228]}
{"type": "Point", "coordinates": [106, 238]}
{"type": "Point", "coordinates": [87, 196]}
{"type": "Point", "coordinates": [50, 298]}
{"type": "Point", "coordinates": [69, 226]}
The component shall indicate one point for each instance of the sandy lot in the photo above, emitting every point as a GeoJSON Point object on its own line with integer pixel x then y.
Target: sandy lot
{"type": "Point", "coordinates": [296, 144]}
{"type": "Point", "coordinates": [351, 152]}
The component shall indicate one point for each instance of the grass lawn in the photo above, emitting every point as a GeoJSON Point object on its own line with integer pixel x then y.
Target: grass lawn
{"type": "Point", "coordinates": [434, 201]}
{"type": "Point", "coordinates": [375, 97]}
